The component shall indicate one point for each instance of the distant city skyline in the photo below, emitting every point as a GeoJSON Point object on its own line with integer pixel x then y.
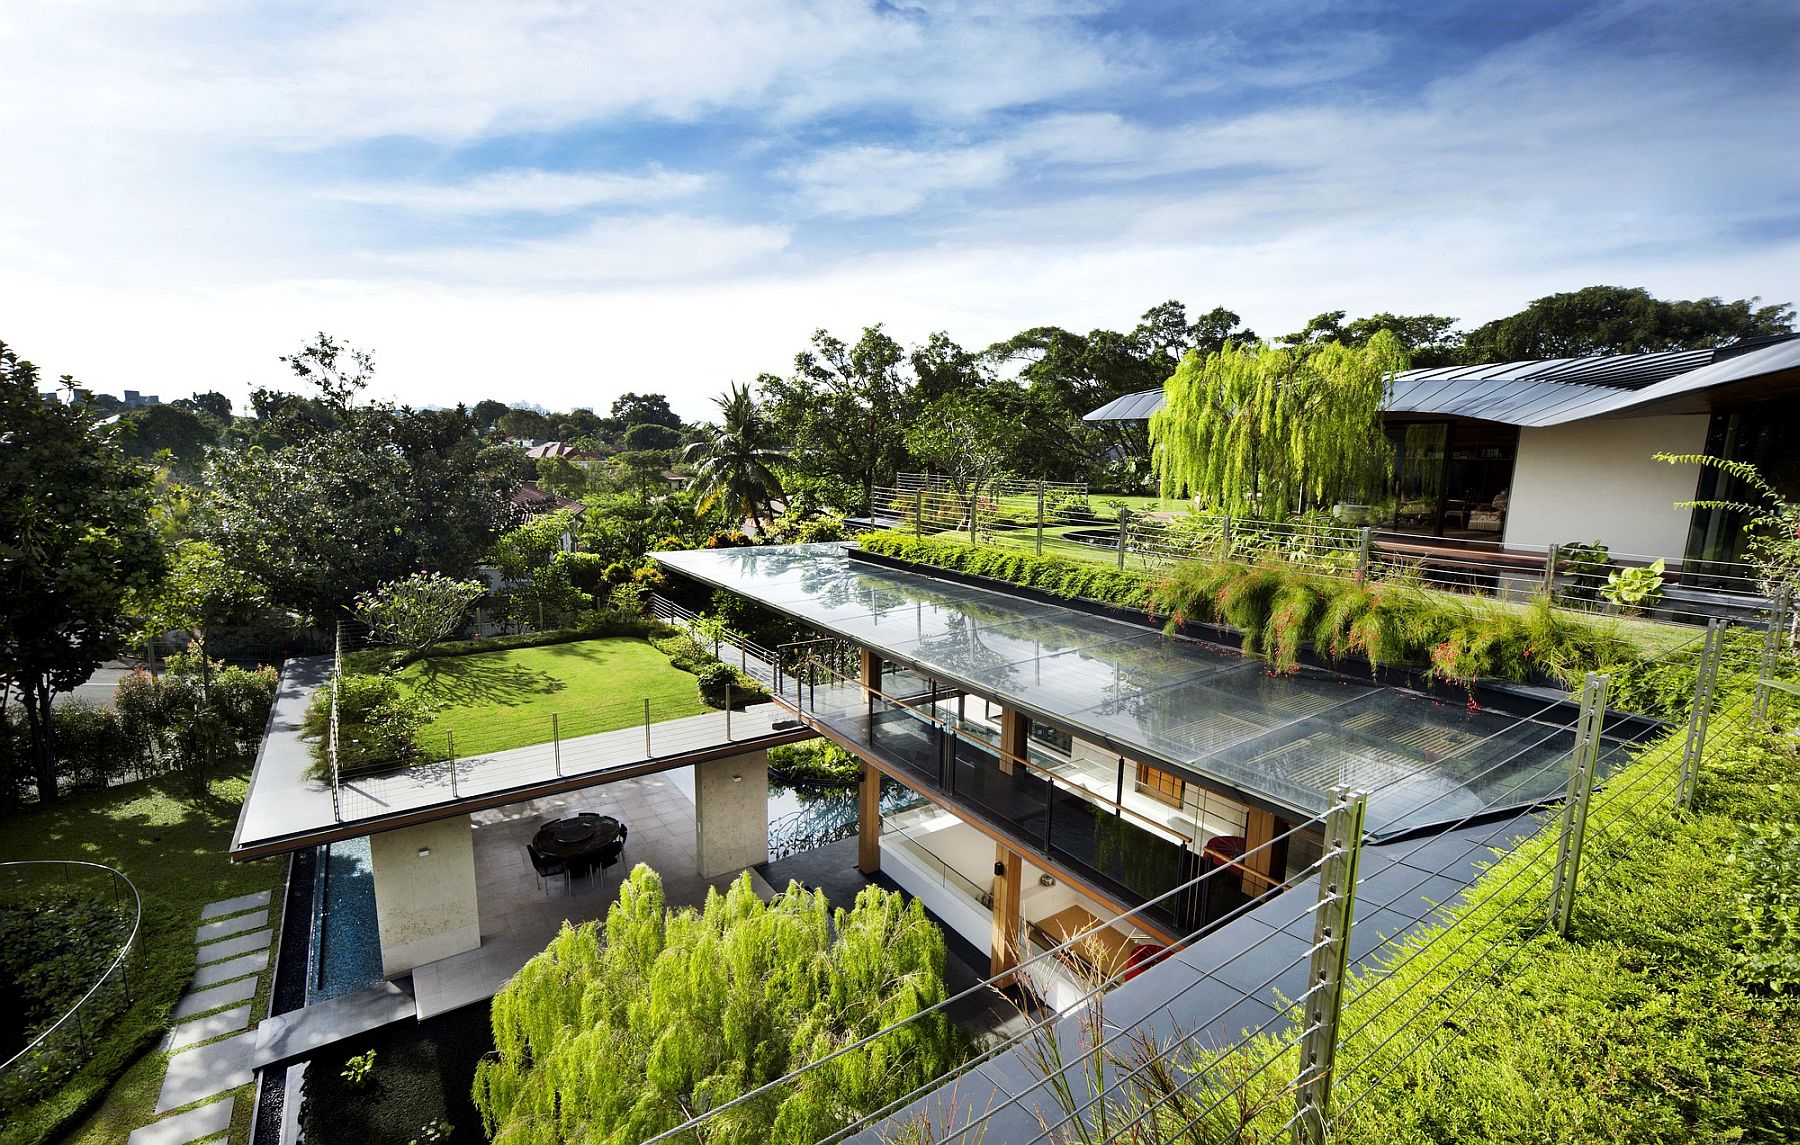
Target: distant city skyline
{"type": "Point", "coordinates": [561, 202]}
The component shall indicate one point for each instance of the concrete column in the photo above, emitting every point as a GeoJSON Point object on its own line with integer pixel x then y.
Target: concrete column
{"type": "Point", "coordinates": [1015, 737]}
{"type": "Point", "coordinates": [731, 813]}
{"type": "Point", "coordinates": [1008, 918]}
{"type": "Point", "coordinates": [1264, 868]}
{"type": "Point", "coordinates": [425, 899]}
{"type": "Point", "coordinates": [868, 822]}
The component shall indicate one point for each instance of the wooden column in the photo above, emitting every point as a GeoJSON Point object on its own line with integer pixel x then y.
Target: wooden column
{"type": "Point", "coordinates": [1264, 868]}
{"type": "Point", "coordinates": [868, 821]}
{"type": "Point", "coordinates": [1015, 735]}
{"type": "Point", "coordinates": [871, 670]}
{"type": "Point", "coordinates": [1007, 917]}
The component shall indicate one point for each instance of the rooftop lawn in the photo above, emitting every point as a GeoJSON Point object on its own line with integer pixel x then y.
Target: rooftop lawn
{"type": "Point", "coordinates": [492, 701]}
{"type": "Point", "coordinates": [173, 848]}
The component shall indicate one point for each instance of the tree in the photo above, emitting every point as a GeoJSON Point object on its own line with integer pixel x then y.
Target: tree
{"type": "Point", "coordinates": [735, 461]}
{"type": "Point", "coordinates": [965, 441]}
{"type": "Point", "coordinates": [1256, 430]}
{"type": "Point", "coordinates": [420, 610]}
{"type": "Point", "coordinates": [843, 408]}
{"type": "Point", "coordinates": [649, 435]}
{"type": "Point", "coordinates": [941, 368]}
{"type": "Point", "coordinates": [539, 586]}
{"type": "Point", "coordinates": [524, 424]}
{"type": "Point", "coordinates": [1622, 320]}
{"type": "Point", "coordinates": [341, 372]}
{"type": "Point", "coordinates": [630, 409]}
{"type": "Point", "coordinates": [76, 539]}
{"type": "Point", "coordinates": [621, 1033]}
{"type": "Point", "coordinates": [212, 402]}
{"type": "Point", "coordinates": [488, 412]}
{"type": "Point", "coordinates": [183, 435]}
{"type": "Point", "coordinates": [200, 593]}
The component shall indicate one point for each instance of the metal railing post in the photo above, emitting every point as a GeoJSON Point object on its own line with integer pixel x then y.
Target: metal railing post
{"type": "Point", "coordinates": [1573, 829]}
{"type": "Point", "coordinates": [1706, 675]}
{"type": "Point", "coordinates": [919, 513]}
{"type": "Point", "coordinates": [450, 739]}
{"type": "Point", "coordinates": [1040, 519]}
{"type": "Point", "coordinates": [1124, 533]}
{"type": "Point", "coordinates": [1324, 997]}
{"type": "Point", "coordinates": [974, 516]}
{"type": "Point", "coordinates": [1551, 556]}
{"type": "Point", "coordinates": [1770, 660]}
{"type": "Point", "coordinates": [647, 727]}
{"type": "Point", "coordinates": [1225, 536]}
{"type": "Point", "coordinates": [1364, 545]}
{"type": "Point", "coordinates": [556, 744]}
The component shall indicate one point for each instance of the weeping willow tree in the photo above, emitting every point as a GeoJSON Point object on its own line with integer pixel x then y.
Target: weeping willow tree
{"type": "Point", "coordinates": [617, 1036]}
{"type": "Point", "coordinates": [1257, 430]}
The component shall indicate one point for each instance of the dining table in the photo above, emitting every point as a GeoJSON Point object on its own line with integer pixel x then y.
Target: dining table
{"type": "Point", "coordinates": [576, 836]}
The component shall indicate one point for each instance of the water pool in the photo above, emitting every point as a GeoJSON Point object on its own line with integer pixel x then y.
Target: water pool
{"type": "Point", "coordinates": [346, 942]}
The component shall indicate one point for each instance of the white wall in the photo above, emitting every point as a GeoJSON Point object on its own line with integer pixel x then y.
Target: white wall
{"type": "Point", "coordinates": [425, 904]}
{"type": "Point", "coordinates": [1599, 481]}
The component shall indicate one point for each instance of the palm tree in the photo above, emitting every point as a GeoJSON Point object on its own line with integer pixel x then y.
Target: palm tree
{"type": "Point", "coordinates": [734, 461]}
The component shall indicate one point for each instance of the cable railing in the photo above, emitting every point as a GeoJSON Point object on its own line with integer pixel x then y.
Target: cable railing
{"type": "Point", "coordinates": [54, 1052]}
{"type": "Point", "coordinates": [1071, 523]}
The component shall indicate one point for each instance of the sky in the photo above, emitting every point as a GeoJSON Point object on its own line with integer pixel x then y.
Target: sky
{"type": "Point", "coordinates": [557, 201]}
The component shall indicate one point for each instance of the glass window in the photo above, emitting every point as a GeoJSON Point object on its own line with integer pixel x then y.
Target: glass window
{"type": "Point", "coordinates": [1058, 741]}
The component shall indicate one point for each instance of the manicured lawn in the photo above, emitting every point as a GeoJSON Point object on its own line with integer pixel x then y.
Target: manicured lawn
{"type": "Point", "coordinates": [492, 701]}
{"type": "Point", "coordinates": [173, 848]}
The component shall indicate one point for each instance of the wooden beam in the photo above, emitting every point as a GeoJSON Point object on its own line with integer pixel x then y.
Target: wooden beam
{"type": "Point", "coordinates": [1015, 737]}
{"type": "Point", "coordinates": [1263, 869]}
{"type": "Point", "coordinates": [871, 670]}
{"type": "Point", "coordinates": [1008, 917]}
{"type": "Point", "coordinates": [868, 821]}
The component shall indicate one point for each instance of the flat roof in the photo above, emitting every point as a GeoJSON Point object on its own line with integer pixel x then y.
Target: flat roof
{"type": "Point", "coordinates": [1196, 707]}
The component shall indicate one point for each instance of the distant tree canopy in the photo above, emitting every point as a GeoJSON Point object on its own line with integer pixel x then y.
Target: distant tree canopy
{"type": "Point", "coordinates": [619, 1035]}
{"type": "Point", "coordinates": [173, 434]}
{"type": "Point", "coordinates": [1258, 429]}
{"type": "Point", "coordinates": [1621, 320]}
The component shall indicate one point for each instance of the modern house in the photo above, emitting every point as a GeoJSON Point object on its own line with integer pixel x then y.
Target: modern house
{"type": "Point", "coordinates": [1077, 763]}
{"type": "Point", "coordinates": [1539, 453]}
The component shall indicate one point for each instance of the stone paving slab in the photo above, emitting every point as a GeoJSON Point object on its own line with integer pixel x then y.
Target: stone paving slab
{"type": "Point", "coordinates": [208, 931]}
{"type": "Point", "coordinates": [234, 906]}
{"type": "Point", "coordinates": [289, 1035]}
{"type": "Point", "coordinates": [200, 1001]}
{"type": "Point", "coordinates": [252, 963]}
{"type": "Point", "coordinates": [211, 1026]}
{"type": "Point", "coordinates": [232, 947]}
{"type": "Point", "coordinates": [209, 1069]}
{"type": "Point", "coordinates": [206, 1121]}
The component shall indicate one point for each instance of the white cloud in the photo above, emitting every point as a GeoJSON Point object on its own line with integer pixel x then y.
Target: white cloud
{"type": "Point", "coordinates": [528, 191]}
{"type": "Point", "coordinates": [863, 182]}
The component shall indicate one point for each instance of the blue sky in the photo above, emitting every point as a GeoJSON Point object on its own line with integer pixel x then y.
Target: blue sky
{"type": "Point", "coordinates": [560, 201]}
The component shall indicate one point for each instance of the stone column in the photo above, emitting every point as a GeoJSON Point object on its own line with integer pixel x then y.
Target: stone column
{"type": "Point", "coordinates": [425, 899]}
{"type": "Point", "coordinates": [731, 813]}
{"type": "Point", "coordinates": [1008, 893]}
{"type": "Point", "coordinates": [868, 822]}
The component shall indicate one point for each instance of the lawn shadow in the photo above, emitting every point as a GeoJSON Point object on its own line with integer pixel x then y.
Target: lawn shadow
{"type": "Point", "coordinates": [466, 681]}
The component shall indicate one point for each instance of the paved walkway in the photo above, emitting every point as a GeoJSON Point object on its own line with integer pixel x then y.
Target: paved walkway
{"type": "Point", "coordinates": [210, 1046]}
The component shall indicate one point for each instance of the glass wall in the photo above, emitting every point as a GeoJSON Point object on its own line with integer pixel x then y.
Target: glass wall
{"type": "Point", "coordinates": [1763, 436]}
{"type": "Point", "coordinates": [1452, 478]}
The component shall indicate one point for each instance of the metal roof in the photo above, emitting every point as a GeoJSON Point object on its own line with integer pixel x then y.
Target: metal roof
{"type": "Point", "coordinates": [1561, 390]}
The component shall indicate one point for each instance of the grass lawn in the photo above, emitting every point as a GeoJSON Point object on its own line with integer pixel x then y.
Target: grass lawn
{"type": "Point", "coordinates": [492, 701]}
{"type": "Point", "coordinates": [173, 847]}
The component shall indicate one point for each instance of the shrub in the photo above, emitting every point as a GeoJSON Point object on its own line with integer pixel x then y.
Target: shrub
{"type": "Point", "coordinates": [1054, 575]}
{"type": "Point", "coordinates": [92, 748]}
{"type": "Point", "coordinates": [378, 725]}
{"type": "Point", "coordinates": [817, 761]}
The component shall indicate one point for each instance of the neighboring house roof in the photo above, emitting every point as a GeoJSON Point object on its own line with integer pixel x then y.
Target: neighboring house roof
{"type": "Point", "coordinates": [535, 502]}
{"type": "Point", "coordinates": [1561, 390]}
{"type": "Point", "coordinates": [560, 449]}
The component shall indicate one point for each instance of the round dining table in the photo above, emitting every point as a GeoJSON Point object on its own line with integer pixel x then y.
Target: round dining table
{"type": "Point", "coordinates": [575, 837]}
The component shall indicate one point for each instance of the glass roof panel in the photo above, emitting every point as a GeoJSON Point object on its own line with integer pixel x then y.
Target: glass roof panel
{"type": "Point", "coordinates": [1198, 707]}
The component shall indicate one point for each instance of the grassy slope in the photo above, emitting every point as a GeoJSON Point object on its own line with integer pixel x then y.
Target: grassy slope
{"type": "Point", "coordinates": [173, 848]}
{"type": "Point", "coordinates": [498, 700]}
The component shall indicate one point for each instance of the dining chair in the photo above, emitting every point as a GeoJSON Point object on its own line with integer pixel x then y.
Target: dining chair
{"type": "Point", "coordinates": [547, 867]}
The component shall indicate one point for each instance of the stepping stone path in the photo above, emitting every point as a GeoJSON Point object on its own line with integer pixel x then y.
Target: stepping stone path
{"type": "Point", "coordinates": [210, 1046]}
